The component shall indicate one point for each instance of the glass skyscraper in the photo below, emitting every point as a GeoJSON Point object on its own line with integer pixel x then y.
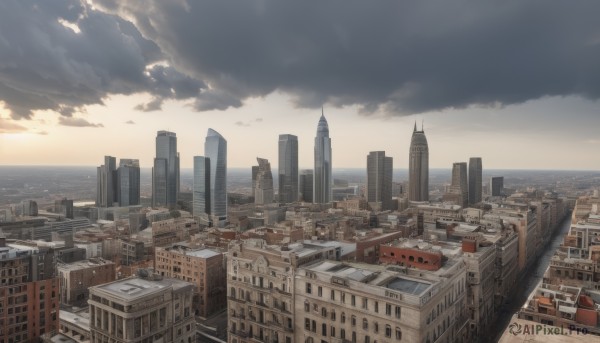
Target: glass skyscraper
{"type": "Point", "coordinates": [106, 190]}
{"type": "Point", "coordinates": [165, 173]}
{"type": "Point", "coordinates": [288, 168]}
{"type": "Point", "coordinates": [475, 180]}
{"type": "Point", "coordinates": [322, 178]}
{"type": "Point", "coordinates": [210, 179]}
{"type": "Point", "coordinates": [128, 184]}
{"type": "Point", "coordinates": [201, 191]}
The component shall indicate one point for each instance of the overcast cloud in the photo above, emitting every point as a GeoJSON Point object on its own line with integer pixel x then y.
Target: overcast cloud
{"type": "Point", "coordinates": [402, 57]}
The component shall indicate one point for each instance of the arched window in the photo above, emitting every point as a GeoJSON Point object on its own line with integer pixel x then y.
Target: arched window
{"type": "Point", "coordinates": [365, 324]}
{"type": "Point", "coordinates": [388, 331]}
{"type": "Point", "coordinates": [232, 292]}
{"type": "Point", "coordinates": [323, 311]}
{"type": "Point", "coordinates": [398, 333]}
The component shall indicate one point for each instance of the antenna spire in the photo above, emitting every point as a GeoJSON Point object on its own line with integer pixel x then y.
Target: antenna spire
{"type": "Point", "coordinates": [423, 125]}
{"type": "Point", "coordinates": [415, 129]}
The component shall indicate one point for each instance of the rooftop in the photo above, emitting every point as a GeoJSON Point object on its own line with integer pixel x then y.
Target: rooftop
{"type": "Point", "coordinates": [92, 262]}
{"type": "Point", "coordinates": [135, 287]}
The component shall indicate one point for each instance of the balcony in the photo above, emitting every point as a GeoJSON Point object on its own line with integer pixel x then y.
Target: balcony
{"type": "Point", "coordinates": [241, 301]}
{"type": "Point", "coordinates": [262, 304]}
{"type": "Point", "coordinates": [239, 333]}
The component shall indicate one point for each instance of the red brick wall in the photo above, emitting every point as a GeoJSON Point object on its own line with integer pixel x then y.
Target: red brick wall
{"type": "Point", "coordinates": [410, 257]}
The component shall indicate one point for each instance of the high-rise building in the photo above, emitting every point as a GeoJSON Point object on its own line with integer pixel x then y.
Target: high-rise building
{"type": "Point", "coordinates": [165, 173]}
{"type": "Point", "coordinates": [288, 168]}
{"type": "Point", "coordinates": [29, 288]}
{"type": "Point", "coordinates": [263, 191]}
{"type": "Point", "coordinates": [497, 186]}
{"type": "Point", "coordinates": [210, 179]}
{"type": "Point", "coordinates": [458, 191]}
{"type": "Point", "coordinates": [118, 186]}
{"type": "Point", "coordinates": [64, 207]}
{"type": "Point", "coordinates": [106, 195]}
{"type": "Point", "coordinates": [418, 167]}
{"type": "Point", "coordinates": [254, 174]}
{"type": "Point", "coordinates": [379, 180]}
{"type": "Point", "coordinates": [322, 178]}
{"type": "Point", "coordinates": [306, 185]}
{"type": "Point", "coordinates": [475, 180]}
{"type": "Point", "coordinates": [201, 193]}
{"type": "Point", "coordinates": [128, 184]}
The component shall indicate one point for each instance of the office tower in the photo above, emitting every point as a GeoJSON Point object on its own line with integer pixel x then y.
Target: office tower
{"type": "Point", "coordinates": [306, 186]}
{"type": "Point", "coordinates": [77, 277]}
{"type": "Point", "coordinates": [106, 195]}
{"type": "Point", "coordinates": [322, 178]}
{"type": "Point", "coordinates": [458, 191]}
{"type": "Point", "coordinates": [29, 208]}
{"type": "Point", "coordinates": [128, 184]}
{"type": "Point", "coordinates": [288, 168]}
{"type": "Point", "coordinates": [254, 174]}
{"type": "Point", "coordinates": [475, 180]}
{"type": "Point", "coordinates": [147, 308]}
{"type": "Point", "coordinates": [210, 179]}
{"type": "Point", "coordinates": [497, 186]}
{"type": "Point", "coordinates": [165, 173]}
{"type": "Point", "coordinates": [418, 167]}
{"type": "Point", "coordinates": [30, 291]}
{"type": "Point", "coordinates": [201, 193]}
{"type": "Point", "coordinates": [64, 207]}
{"type": "Point", "coordinates": [263, 191]}
{"type": "Point", "coordinates": [379, 180]}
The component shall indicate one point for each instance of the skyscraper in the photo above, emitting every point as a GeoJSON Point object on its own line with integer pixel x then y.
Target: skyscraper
{"type": "Point", "coordinates": [263, 191]}
{"type": "Point", "coordinates": [497, 186]}
{"type": "Point", "coordinates": [128, 182]}
{"type": "Point", "coordinates": [475, 180]}
{"type": "Point", "coordinates": [458, 191]}
{"type": "Point", "coordinates": [379, 180]}
{"type": "Point", "coordinates": [215, 149]}
{"type": "Point", "coordinates": [201, 188]}
{"type": "Point", "coordinates": [288, 168]}
{"type": "Point", "coordinates": [322, 178]}
{"type": "Point", "coordinates": [418, 167]}
{"type": "Point", "coordinates": [306, 186]}
{"type": "Point", "coordinates": [106, 185]}
{"type": "Point", "coordinates": [165, 173]}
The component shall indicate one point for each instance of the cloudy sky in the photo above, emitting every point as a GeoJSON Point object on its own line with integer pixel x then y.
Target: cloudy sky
{"type": "Point", "coordinates": [515, 82]}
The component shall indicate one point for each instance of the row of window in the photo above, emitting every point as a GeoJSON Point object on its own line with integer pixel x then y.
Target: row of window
{"type": "Point", "coordinates": [311, 325]}
{"type": "Point", "coordinates": [364, 301]}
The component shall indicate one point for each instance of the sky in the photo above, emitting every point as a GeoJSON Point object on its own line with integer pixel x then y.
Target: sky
{"type": "Point", "coordinates": [514, 82]}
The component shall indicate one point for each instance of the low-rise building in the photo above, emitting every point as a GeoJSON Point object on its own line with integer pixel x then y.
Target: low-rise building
{"type": "Point", "coordinates": [77, 277]}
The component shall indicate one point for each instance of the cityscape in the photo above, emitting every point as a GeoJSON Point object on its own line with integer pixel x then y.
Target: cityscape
{"type": "Point", "coordinates": [258, 171]}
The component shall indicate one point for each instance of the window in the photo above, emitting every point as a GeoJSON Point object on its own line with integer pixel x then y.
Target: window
{"type": "Point", "coordinates": [314, 326]}
{"type": "Point", "coordinates": [332, 294]}
{"type": "Point", "coordinates": [324, 329]}
{"type": "Point", "coordinates": [342, 333]}
{"type": "Point", "coordinates": [398, 334]}
{"type": "Point", "coordinates": [323, 312]}
{"type": "Point", "coordinates": [388, 309]}
{"type": "Point", "coordinates": [307, 324]}
{"type": "Point", "coordinates": [376, 307]}
{"type": "Point", "coordinates": [365, 303]}
{"type": "Point", "coordinates": [367, 339]}
{"type": "Point", "coordinates": [320, 291]}
{"type": "Point", "coordinates": [353, 321]}
{"type": "Point", "coordinates": [343, 318]}
{"type": "Point", "coordinates": [388, 331]}
{"type": "Point", "coordinates": [343, 297]}
{"type": "Point", "coordinates": [398, 311]}
{"type": "Point", "coordinates": [353, 300]}
{"type": "Point", "coordinates": [333, 315]}
{"type": "Point", "coordinates": [306, 306]}
{"type": "Point", "coordinates": [375, 327]}
{"type": "Point", "coordinates": [365, 324]}
{"type": "Point", "coordinates": [308, 288]}
{"type": "Point", "coordinates": [332, 332]}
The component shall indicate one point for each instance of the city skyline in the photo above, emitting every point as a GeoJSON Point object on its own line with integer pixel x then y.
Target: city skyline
{"type": "Point", "coordinates": [481, 86]}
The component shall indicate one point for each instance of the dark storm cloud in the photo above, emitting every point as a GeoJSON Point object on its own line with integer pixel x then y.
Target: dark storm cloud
{"type": "Point", "coordinates": [76, 122]}
{"type": "Point", "coordinates": [402, 56]}
{"type": "Point", "coordinates": [62, 55]}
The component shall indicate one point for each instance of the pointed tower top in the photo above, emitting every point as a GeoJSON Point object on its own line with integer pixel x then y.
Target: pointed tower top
{"type": "Point", "coordinates": [323, 127]}
{"type": "Point", "coordinates": [322, 112]}
{"type": "Point", "coordinates": [415, 129]}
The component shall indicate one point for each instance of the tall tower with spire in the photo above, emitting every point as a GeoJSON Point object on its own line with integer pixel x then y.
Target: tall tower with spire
{"type": "Point", "coordinates": [418, 167]}
{"type": "Point", "coordinates": [322, 177]}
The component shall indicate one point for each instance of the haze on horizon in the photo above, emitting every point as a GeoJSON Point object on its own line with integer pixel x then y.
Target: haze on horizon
{"type": "Point", "coordinates": [516, 83]}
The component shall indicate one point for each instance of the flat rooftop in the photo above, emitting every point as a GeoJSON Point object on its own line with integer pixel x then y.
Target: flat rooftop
{"type": "Point", "coordinates": [93, 262]}
{"type": "Point", "coordinates": [408, 286]}
{"type": "Point", "coordinates": [135, 287]}
{"type": "Point", "coordinates": [202, 253]}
